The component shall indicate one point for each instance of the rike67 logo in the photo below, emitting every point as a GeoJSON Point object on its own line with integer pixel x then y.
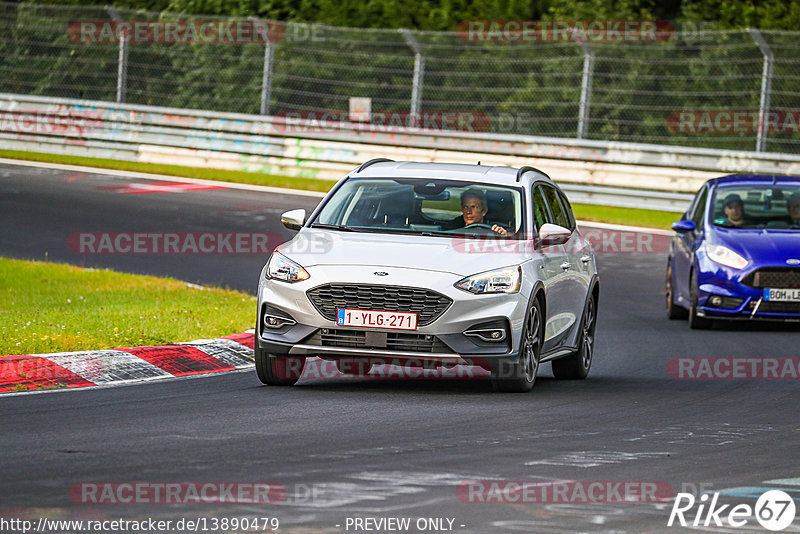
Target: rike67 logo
{"type": "Point", "coordinates": [774, 510]}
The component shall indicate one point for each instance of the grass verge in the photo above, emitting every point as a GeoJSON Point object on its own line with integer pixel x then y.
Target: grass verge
{"type": "Point", "coordinates": [629, 216]}
{"type": "Point", "coordinates": [586, 212]}
{"type": "Point", "coordinates": [47, 307]}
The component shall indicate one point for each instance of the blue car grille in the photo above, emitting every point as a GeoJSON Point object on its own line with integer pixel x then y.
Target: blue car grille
{"type": "Point", "coordinates": [427, 304]}
{"type": "Point", "coordinates": [773, 277]}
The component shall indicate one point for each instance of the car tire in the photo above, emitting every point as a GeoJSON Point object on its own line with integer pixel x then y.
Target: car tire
{"type": "Point", "coordinates": [695, 321]}
{"type": "Point", "coordinates": [673, 310]}
{"type": "Point", "coordinates": [275, 371]}
{"type": "Point", "coordinates": [576, 366]}
{"type": "Point", "coordinates": [519, 376]}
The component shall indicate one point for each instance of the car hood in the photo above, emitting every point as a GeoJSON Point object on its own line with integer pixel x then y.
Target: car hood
{"type": "Point", "coordinates": [760, 245]}
{"type": "Point", "coordinates": [314, 247]}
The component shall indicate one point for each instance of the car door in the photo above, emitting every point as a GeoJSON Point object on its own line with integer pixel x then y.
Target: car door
{"type": "Point", "coordinates": [572, 284]}
{"type": "Point", "coordinates": [579, 257]}
{"type": "Point", "coordinates": [685, 244]}
{"type": "Point", "coordinates": [552, 272]}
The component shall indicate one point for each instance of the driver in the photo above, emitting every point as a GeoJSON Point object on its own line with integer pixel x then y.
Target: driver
{"type": "Point", "coordinates": [733, 206]}
{"type": "Point", "coordinates": [474, 208]}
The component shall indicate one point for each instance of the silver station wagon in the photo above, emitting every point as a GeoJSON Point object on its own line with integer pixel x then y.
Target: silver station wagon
{"type": "Point", "coordinates": [431, 265]}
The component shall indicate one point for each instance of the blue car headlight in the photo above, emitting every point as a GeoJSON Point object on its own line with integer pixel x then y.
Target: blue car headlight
{"type": "Point", "coordinates": [725, 256]}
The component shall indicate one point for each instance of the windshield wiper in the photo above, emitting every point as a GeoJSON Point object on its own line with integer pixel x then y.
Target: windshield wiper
{"type": "Point", "coordinates": [340, 227]}
{"type": "Point", "coordinates": [438, 233]}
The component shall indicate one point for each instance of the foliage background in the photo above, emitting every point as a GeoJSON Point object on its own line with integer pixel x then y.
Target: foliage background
{"type": "Point", "coordinates": [711, 62]}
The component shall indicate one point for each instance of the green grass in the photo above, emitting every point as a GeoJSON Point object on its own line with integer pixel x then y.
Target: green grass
{"type": "Point", "coordinates": [628, 216]}
{"type": "Point", "coordinates": [586, 212]}
{"type": "Point", "coordinates": [47, 307]}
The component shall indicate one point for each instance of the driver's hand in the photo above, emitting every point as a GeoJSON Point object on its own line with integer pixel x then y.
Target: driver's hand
{"type": "Point", "coordinates": [499, 229]}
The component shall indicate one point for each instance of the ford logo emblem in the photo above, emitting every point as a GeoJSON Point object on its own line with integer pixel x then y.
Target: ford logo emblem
{"type": "Point", "coordinates": [793, 261]}
{"type": "Point", "coordinates": [380, 273]}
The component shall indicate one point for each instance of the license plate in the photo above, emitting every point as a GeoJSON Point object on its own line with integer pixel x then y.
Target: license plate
{"type": "Point", "coordinates": [782, 295]}
{"type": "Point", "coordinates": [376, 319]}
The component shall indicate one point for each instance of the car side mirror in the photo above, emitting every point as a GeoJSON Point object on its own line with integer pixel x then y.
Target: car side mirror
{"type": "Point", "coordinates": [552, 234]}
{"type": "Point", "coordinates": [294, 219]}
{"type": "Point", "coordinates": [683, 226]}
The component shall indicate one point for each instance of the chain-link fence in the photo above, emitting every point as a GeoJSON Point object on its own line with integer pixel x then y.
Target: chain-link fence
{"type": "Point", "coordinates": [733, 89]}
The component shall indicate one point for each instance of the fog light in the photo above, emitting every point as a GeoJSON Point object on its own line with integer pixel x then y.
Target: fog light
{"type": "Point", "coordinates": [275, 322]}
{"type": "Point", "coordinates": [490, 335]}
{"type": "Point", "coordinates": [715, 301]}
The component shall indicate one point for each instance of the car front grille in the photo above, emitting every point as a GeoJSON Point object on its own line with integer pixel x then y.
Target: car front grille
{"type": "Point", "coordinates": [427, 304]}
{"type": "Point", "coordinates": [398, 341]}
{"type": "Point", "coordinates": [773, 277]}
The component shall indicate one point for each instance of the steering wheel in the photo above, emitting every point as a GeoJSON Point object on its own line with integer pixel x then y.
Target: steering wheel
{"type": "Point", "coordinates": [479, 225]}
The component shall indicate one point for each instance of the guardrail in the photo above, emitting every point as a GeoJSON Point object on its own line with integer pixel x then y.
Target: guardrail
{"type": "Point", "coordinates": [622, 174]}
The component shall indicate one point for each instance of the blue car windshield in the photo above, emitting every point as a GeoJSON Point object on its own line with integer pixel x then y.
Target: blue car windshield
{"type": "Point", "coordinates": [757, 206]}
{"type": "Point", "coordinates": [423, 206]}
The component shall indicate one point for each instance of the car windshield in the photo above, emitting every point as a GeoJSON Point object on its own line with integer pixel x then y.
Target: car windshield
{"type": "Point", "coordinates": [757, 206]}
{"type": "Point", "coordinates": [423, 206]}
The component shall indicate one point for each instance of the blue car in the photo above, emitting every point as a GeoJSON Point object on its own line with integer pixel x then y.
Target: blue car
{"type": "Point", "coordinates": [736, 252]}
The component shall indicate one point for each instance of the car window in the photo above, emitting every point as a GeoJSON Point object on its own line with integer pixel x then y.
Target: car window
{"type": "Point", "coordinates": [556, 209]}
{"type": "Point", "coordinates": [419, 205]}
{"type": "Point", "coordinates": [757, 206]}
{"type": "Point", "coordinates": [540, 213]}
{"type": "Point", "coordinates": [700, 209]}
{"type": "Point", "coordinates": [567, 210]}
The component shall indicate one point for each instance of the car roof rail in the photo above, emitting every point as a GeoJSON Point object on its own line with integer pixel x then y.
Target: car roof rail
{"type": "Point", "coordinates": [372, 161]}
{"type": "Point", "coordinates": [523, 170]}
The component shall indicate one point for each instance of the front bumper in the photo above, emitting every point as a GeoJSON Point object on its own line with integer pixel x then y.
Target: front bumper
{"type": "Point", "coordinates": [442, 341]}
{"type": "Point", "coordinates": [727, 283]}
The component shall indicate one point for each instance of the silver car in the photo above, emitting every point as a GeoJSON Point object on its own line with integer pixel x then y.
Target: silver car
{"type": "Point", "coordinates": [431, 265]}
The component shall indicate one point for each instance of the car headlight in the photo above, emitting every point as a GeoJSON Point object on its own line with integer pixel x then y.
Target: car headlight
{"type": "Point", "coordinates": [280, 267]}
{"type": "Point", "coordinates": [506, 280]}
{"type": "Point", "coordinates": [725, 256]}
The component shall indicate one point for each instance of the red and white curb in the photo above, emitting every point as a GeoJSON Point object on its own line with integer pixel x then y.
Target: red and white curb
{"type": "Point", "coordinates": [125, 365]}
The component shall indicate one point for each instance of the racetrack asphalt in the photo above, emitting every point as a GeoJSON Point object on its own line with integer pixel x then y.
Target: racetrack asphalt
{"type": "Point", "coordinates": [344, 449]}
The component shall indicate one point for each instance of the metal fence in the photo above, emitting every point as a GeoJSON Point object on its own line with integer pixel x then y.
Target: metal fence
{"type": "Point", "coordinates": [736, 90]}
